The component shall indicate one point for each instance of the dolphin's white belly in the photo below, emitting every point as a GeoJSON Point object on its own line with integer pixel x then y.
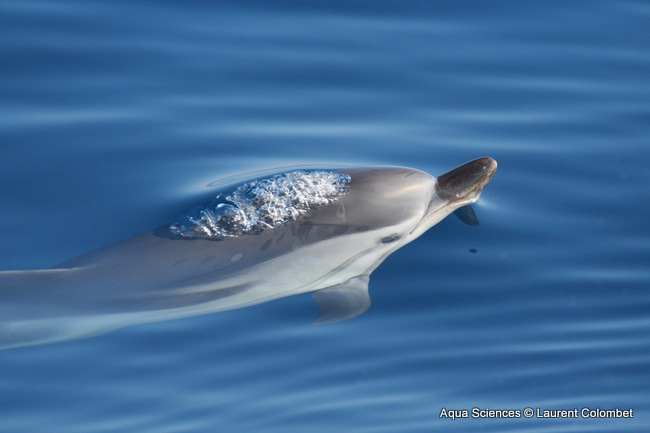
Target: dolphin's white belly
{"type": "Point", "coordinates": [306, 269]}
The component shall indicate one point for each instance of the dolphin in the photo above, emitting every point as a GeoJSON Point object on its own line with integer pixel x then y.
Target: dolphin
{"type": "Point", "coordinates": [298, 231]}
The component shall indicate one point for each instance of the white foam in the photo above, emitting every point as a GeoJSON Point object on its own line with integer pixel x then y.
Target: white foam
{"type": "Point", "coordinates": [263, 204]}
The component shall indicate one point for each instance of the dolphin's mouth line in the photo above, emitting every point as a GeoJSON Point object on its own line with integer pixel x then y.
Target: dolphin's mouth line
{"type": "Point", "coordinates": [429, 216]}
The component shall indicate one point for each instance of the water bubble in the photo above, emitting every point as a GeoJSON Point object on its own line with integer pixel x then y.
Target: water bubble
{"type": "Point", "coordinates": [262, 204]}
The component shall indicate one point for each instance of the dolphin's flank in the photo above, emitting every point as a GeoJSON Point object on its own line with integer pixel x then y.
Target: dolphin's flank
{"type": "Point", "coordinates": [298, 231]}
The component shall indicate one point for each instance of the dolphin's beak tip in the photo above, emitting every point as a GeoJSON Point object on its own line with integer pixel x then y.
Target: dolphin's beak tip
{"type": "Point", "coordinates": [489, 163]}
{"type": "Point", "coordinates": [491, 166]}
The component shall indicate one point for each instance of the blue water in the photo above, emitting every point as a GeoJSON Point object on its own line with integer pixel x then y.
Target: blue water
{"type": "Point", "coordinates": [115, 115]}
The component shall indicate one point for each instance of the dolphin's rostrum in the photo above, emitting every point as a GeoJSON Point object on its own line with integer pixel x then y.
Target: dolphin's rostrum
{"type": "Point", "coordinates": [320, 231]}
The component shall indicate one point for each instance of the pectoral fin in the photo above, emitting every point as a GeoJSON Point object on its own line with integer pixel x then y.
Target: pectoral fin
{"type": "Point", "coordinates": [467, 215]}
{"type": "Point", "coordinates": [343, 301]}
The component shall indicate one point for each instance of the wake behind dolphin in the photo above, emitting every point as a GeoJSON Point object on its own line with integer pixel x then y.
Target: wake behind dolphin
{"type": "Point", "coordinates": [320, 231]}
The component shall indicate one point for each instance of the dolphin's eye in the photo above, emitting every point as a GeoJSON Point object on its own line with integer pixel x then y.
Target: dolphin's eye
{"type": "Point", "coordinates": [340, 212]}
{"type": "Point", "coordinates": [391, 238]}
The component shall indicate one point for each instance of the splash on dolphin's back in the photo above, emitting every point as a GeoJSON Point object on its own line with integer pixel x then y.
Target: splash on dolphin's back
{"type": "Point", "coordinates": [262, 204]}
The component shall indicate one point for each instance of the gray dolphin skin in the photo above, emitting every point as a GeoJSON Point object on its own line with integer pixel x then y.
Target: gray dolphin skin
{"type": "Point", "coordinates": [299, 231]}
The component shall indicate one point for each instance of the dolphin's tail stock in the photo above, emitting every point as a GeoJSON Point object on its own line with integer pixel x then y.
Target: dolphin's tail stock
{"type": "Point", "coordinates": [36, 332]}
{"type": "Point", "coordinates": [44, 331]}
{"type": "Point", "coordinates": [18, 288]}
{"type": "Point", "coordinates": [26, 313]}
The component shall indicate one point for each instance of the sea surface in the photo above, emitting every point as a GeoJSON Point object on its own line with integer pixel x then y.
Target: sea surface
{"type": "Point", "coordinates": [115, 115]}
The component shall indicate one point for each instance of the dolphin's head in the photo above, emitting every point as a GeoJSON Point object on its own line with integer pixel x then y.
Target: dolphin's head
{"type": "Point", "coordinates": [409, 201]}
{"type": "Point", "coordinates": [383, 197]}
